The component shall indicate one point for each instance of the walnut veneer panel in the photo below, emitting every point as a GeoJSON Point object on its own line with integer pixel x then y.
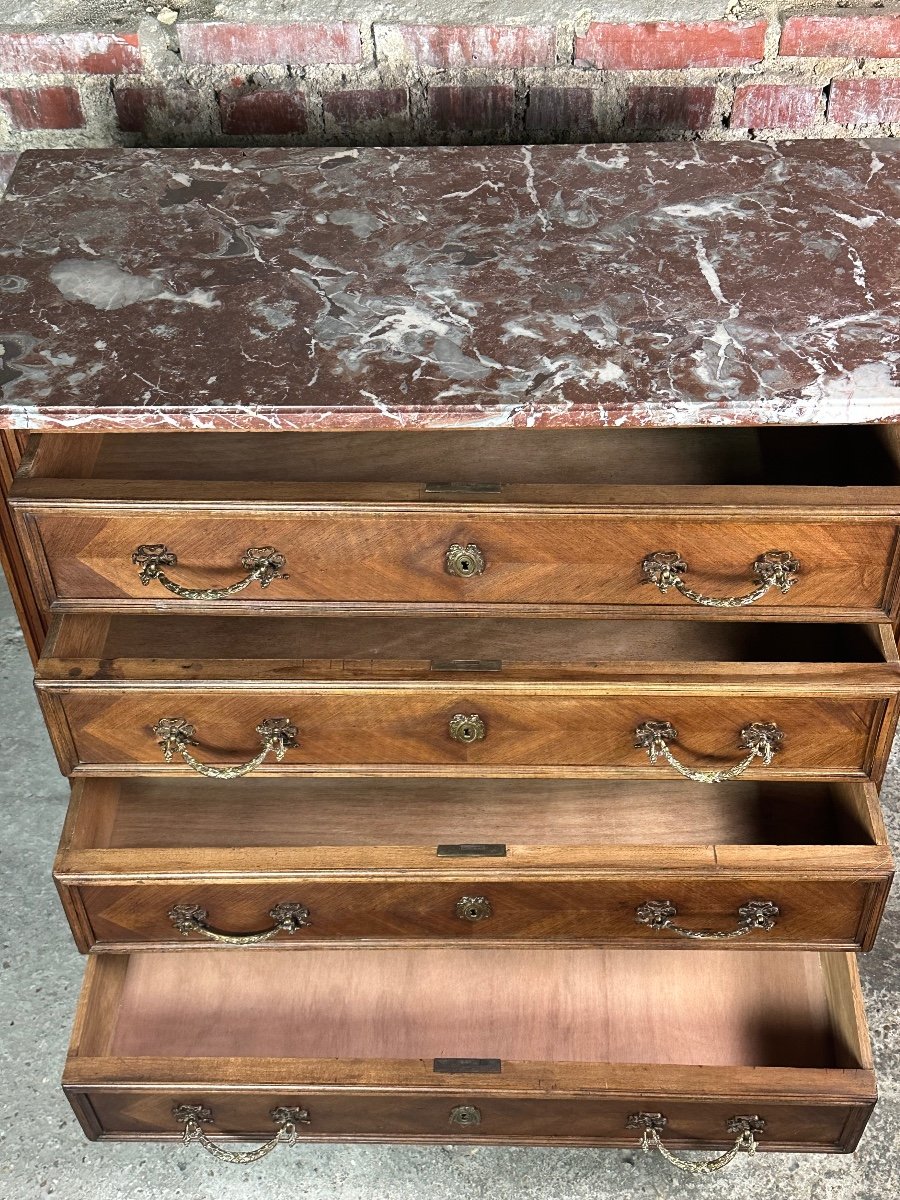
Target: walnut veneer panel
{"type": "Point", "coordinates": [834, 913]}
{"type": "Point", "coordinates": [110, 728]}
{"type": "Point", "coordinates": [368, 695]}
{"type": "Point", "coordinates": [579, 858]}
{"type": "Point", "coordinates": [392, 1115]}
{"type": "Point", "coordinates": [535, 556]}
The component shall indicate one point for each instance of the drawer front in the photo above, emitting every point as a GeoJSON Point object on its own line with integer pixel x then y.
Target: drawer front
{"type": "Point", "coordinates": [530, 558]}
{"type": "Point", "coordinates": [832, 913]}
{"type": "Point", "coordinates": [383, 1116]}
{"type": "Point", "coordinates": [385, 727]}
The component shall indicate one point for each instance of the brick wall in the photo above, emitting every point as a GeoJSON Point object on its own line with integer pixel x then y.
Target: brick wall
{"type": "Point", "coordinates": [726, 69]}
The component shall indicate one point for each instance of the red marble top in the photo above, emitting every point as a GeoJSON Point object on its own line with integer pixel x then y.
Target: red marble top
{"type": "Point", "coordinates": [670, 284]}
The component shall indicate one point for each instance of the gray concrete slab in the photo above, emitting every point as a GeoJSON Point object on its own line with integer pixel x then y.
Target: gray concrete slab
{"type": "Point", "coordinates": [43, 1152]}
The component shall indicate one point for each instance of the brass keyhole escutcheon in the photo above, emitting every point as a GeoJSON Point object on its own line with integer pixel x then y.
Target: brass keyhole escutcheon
{"type": "Point", "coordinates": [464, 561]}
{"type": "Point", "coordinates": [465, 1114]}
{"type": "Point", "coordinates": [467, 728]}
{"type": "Point", "coordinates": [474, 908]}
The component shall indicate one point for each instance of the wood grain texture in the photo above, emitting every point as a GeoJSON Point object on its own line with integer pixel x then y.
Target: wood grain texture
{"type": "Point", "coordinates": [534, 558]}
{"type": "Point", "coordinates": [345, 813]}
{"type": "Point", "coordinates": [381, 646]}
{"type": "Point", "coordinates": [592, 853]}
{"type": "Point", "coordinates": [106, 681]}
{"type": "Point", "coordinates": [367, 730]}
{"type": "Point", "coordinates": [828, 913]}
{"type": "Point", "coordinates": [30, 609]}
{"type": "Point", "coordinates": [589, 1031]}
{"type": "Point", "coordinates": [527, 1004]}
{"type": "Point", "coordinates": [353, 517]}
{"type": "Point", "coordinates": [768, 1042]}
{"type": "Point", "coordinates": [762, 456]}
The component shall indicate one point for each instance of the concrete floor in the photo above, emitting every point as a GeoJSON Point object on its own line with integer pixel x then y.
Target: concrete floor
{"type": "Point", "coordinates": [43, 1152]}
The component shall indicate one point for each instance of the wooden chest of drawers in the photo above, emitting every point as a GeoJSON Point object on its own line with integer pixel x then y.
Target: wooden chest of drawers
{"type": "Point", "coordinates": [407, 741]}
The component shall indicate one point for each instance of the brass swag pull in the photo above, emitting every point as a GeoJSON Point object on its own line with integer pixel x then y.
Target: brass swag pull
{"type": "Point", "coordinates": [175, 735]}
{"type": "Point", "coordinates": [774, 569]}
{"type": "Point", "coordinates": [191, 918]}
{"type": "Point", "coordinates": [755, 914]}
{"type": "Point", "coordinates": [194, 1116]}
{"type": "Point", "coordinates": [762, 740]}
{"type": "Point", "coordinates": [652, 1125]}
{"type": "Point", "coordinates": [262, 564]}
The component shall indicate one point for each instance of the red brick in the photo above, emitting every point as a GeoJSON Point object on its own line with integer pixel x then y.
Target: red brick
{"type": "Point", "coordinates": [774, 106]}
{"type": "Point", "coordinates": [864, 101]}
{"type": "Point", "coordinates": [132, 104]}
{"type": "Point", "coordinates": [174, 108]}
{"type": "Point", "coordinates": [43, 108]}
{"type": "Point", "coordinates": [560, 110]}
{"type": "Point", "coordinates": [7, 163]}
{"type": "Point", "coordinates": [349, 108]}
{"type": "Point", "coordinates": [471, 108]}
{"type": "Point", "coordinates": [649, 108]}
{"type": "Point", "coordinates": [473, 45]}
{"type": "Point", "coordinates": [658, 45]}
{"type": "Point", "coordinates": [89, 53]}
{"type": "Point", "coordinates": [224, 42]}
{"type": "Point", "coordinates": [262, 111]}
{"type": "Point", "coordinates": [846, 36]}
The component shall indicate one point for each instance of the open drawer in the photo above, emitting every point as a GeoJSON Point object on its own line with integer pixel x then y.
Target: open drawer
{"type": "Point", "coordinates": [542, 522]}
{"type": "Point", "coordinates": [468, 696]}
{"type": "Point", "coordinates": [182, 862]}
{"type": "Point", "coordinates": [475, 1044]}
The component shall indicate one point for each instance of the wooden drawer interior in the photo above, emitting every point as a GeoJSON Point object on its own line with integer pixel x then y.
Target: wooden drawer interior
{"type": "Point", "coordinates": [120, 646]}
{"type": "Point", "coordinates": [601, 1006]}
{"type": "Point", "coordinates": [551, 1046]}
{"type": "Point", "coordinates": [791, 1010]}
{"type": "Point", "coordinates": [763, 456]}
{"type": "Point", "coordinates": [347, 814]}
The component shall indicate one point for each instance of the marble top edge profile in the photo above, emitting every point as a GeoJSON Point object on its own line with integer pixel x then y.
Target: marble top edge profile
{"type": "Point", "coordinates": [497, 286]}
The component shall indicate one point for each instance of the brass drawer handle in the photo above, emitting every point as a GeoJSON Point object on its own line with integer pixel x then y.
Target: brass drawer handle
{"type": "Point", "coordinates": [194, 1116]}
{"type": "Point", "coordinates": [467, 729]}
{"type": "Point", "coordinates": [464, 561]}
{"type": "Point", "coordinates": [175, 735]}
{"type": "Point", "coordinates": [762, 740]}
{"type": "Point", "coordinates": [465, 1114]}
{"type": "Point", "coordinates": [262, 564]}
{"type": "Point", "coordinates": [191, 918]}
{"type": "Point", "coordinates": [755, 914]}
{"type": "Point", "coordinates": [474, 908]}
{"type": "Point", "coordinates": [774, 569]}
{"type": "Point", "coordinates": [652, 1125]}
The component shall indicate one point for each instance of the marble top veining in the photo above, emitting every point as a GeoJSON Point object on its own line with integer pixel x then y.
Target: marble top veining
{"type": "Point", "coordinates": [670, 284]}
